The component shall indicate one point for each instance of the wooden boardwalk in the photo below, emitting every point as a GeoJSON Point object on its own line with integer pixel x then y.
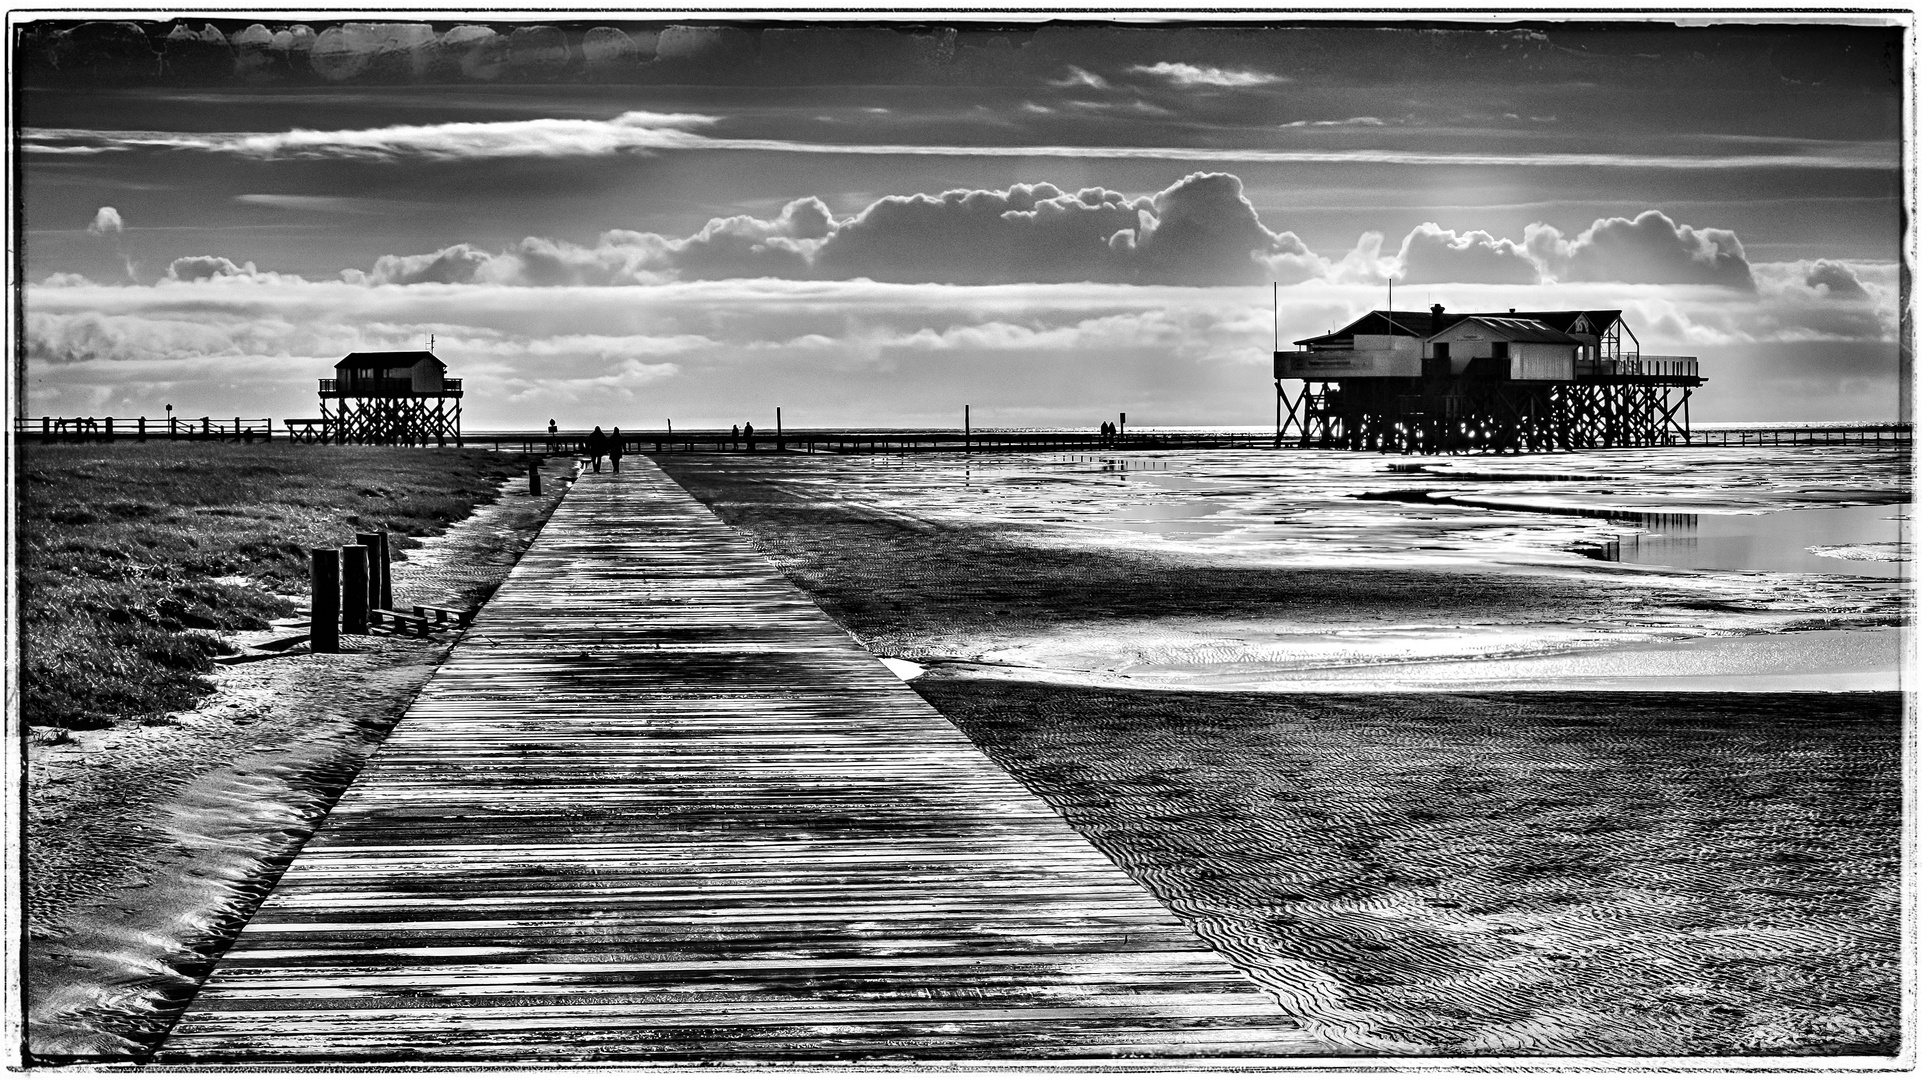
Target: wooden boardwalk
{"type": "Point", "coordinates": [656, 806]}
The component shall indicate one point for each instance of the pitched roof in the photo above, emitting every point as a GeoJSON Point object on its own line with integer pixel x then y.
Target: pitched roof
{"type": "Point", "coordinates": [1420, 324]}
{"type": "Point", "coordinates": [384, 360]}
{"type": "Point", "coordinates": [1425, 324]}
{"type": "Point", "coordinates": [1514, 328]}
{"type": "Point", "coordinates": [1598, 321]}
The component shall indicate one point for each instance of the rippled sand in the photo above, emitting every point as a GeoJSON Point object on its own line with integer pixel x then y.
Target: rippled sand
{"type": "Point", "coordinates": [1457, 872]}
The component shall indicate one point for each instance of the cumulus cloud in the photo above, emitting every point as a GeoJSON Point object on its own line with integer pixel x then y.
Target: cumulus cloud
{"type": "Point", "coordinates": [1433, 254]}
{"type": "Point", "coordinates": [105, 220]}
{"type": "Point", "coordinates": [191, 268]}
{"type": "Point", "coordinates": [1835, 279]}
{"type": "Point", "coordinates": [1193, 75]}
{"type": "Point", "coordinates": [1648, 248]}
{"type": "Point", "coordinates": [1202, 230]}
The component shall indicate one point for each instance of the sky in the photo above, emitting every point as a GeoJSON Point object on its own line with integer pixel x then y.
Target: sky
{"type": "Point", "coordinates": [625, 223]}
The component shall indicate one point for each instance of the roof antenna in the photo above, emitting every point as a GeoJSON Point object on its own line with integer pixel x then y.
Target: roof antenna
{"type": "Point", "coordinates": [430, 343]}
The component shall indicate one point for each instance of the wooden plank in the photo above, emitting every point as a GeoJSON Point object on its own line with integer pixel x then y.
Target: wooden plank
{"type": "Point", "coordinates": [657, 807]}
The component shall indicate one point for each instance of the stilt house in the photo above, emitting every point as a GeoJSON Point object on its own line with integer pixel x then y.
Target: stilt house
{"type": "Point", "coordinates": [1431, 381]}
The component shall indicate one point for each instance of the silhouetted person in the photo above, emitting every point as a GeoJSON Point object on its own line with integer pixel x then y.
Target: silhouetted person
{"type": "Point", "coordinates": [552, 432]}
{"type": "Point", "coordinates": [615, 449]}
{"type": "Point", "coordinates": [596, 446]}
{"type": "Point", "coordinates": [734, 442]}
{"type": "Point", "coordinates": [748, 431]}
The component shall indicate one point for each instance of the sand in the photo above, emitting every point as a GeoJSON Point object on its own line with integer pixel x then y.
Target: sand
{"type": "Point", "coordinates": [1465, 873]}
{"type": "Point", "coordinates": [149, 846]}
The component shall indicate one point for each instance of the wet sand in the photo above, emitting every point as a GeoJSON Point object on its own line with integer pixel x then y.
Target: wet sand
{"type": "Point", "coordinates": [1466, 873]}
{"type": "Point", "coordinates": [1493, 874]}
{"type": "Point", "coordinates": [148, 846]}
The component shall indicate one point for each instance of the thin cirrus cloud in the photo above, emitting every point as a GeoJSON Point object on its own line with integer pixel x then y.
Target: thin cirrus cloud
{"type": "Point", "coordinates": [645, 132]}
{"type": "Point", "coordinates": [1353, 121]}
{"type": "Point", "coordinates": [322, 204]}
{"type": "Point", "coordinates": [1198, 75]}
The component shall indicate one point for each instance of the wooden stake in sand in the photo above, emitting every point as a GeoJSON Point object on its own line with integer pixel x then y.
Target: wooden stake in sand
{"type": "Point", "coordinates": [353, 589]}
{"type": "Point", "coordinates": [324, 608]}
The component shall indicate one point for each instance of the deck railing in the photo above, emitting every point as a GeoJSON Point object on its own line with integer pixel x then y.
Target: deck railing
{"type": "Point", "coordinates": [1646, 365]}
{"type": "Point", "coordinates": [383, 387]}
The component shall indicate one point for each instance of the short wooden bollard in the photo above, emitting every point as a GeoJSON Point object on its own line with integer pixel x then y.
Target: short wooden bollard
{"type": "Point", "coordinates": [353, 589]}
{"type": "Point", "coordinates": [534, 478]}
{"type": "Point", "coordinates": [372, 542]}
{"type": "Point", "coordinates": [324, 609]}
{"type": "Point", "coordinates": [386, 562]}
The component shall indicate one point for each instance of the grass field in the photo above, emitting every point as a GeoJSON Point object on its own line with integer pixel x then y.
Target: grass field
{"type": "Point", "coordinates": [133, 559]}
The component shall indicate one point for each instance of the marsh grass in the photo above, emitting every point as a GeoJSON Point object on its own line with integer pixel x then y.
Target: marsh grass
{"type": "Point", "coordinates": [134, 559]}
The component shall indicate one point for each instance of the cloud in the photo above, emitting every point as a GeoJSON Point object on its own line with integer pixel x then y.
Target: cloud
{"type": "Point", "coordinates": [325, 204]}
{"type": "Point", "coordinates": [1191, 75]}
{"type": "Point", "coordinates": [718, 352]}
{"type": "Point", "coordinates": [105, 220]}
{"type": "Point", "coordinates": [1080, 77]}
{"type": "Point", "coordinates": [1353, 121]}
{"type": "Point", "coordinates": [1199, 231]}
{"type": "Point", "coordinates": [1835, 279]}
{"type": "Point", "coordinates": [644, 132]}
{"type": "Point", "coordinates": [1433, 254]}
{"type": "Point", "coordinates": [540, 138]}
{"type": "Point", "coordinates": [215, 268]}
{"type": "Point", "coordinates": [1649, 248]}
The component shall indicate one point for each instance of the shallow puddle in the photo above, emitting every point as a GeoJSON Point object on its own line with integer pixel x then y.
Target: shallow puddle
{"type": "Point", "coordinates": [1864, 541]}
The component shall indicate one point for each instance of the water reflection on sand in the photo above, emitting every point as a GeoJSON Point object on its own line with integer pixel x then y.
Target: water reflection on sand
{"type": "Point", "coordinates": [1806, 545]}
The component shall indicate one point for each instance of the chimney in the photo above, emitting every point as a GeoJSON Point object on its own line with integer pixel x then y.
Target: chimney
{"type": "Point", "coordinates": [1436, 311]}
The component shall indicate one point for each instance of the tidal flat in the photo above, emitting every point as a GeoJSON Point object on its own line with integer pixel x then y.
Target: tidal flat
{"type": "Point", "coordinates": [1410, 741]}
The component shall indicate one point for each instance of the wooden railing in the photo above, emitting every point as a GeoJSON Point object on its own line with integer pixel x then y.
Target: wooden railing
{"type": "Point", "coordinates": [384, 387]}
{"type": "Point", "coordinates": [1893, 435]}
{"type": "Point", "coordinates": [1648, 366]}
{"type": "Point", "coordinates": [109, 428]}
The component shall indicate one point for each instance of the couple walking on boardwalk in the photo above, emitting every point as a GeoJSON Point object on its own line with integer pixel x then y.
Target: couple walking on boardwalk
{"type": "Point", "coordinates": [601, 444]}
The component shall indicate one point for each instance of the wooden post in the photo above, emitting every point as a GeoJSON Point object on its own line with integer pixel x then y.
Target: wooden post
{"type": "Point", "coordinates": [534, 478]}
{"type": "Point", "coordinates": [143, 429]}
{"type": "Point", "coordinates": [324, 620]}
{"type": "Point", "coordinates": [967, 430]}
{"type": "Point", "coordinates": [386, 561]}
{"type": "Point", "coordinates": [353, 589]}
{"type": "Point", "coordinates": [372, 541]}
{"type": "Point", "coordinates": [779, 442]}
{"type": "Point", "coordinates": [109, 429]}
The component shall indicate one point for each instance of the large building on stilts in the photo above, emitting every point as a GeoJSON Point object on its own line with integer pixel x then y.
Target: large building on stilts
{"type": "Point", "coordinates": [1435, 381]}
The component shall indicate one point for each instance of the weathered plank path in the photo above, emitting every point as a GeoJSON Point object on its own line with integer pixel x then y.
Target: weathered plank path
{"type": "Point", "coordinates": [656, 806]}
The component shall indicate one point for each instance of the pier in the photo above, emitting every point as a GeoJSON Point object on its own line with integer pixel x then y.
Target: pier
{"type": "Point", "coordinates": [874, 440]}
{"type": "Point", "coordinates": [657, 807]}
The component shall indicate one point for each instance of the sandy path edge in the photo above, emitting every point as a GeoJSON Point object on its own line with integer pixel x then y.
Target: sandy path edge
{"type": "Point", "coordinates": [148, 847]}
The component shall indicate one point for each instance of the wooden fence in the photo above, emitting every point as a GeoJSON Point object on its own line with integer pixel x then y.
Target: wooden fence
{"type": "Point", "coordinates": [141, 428]}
